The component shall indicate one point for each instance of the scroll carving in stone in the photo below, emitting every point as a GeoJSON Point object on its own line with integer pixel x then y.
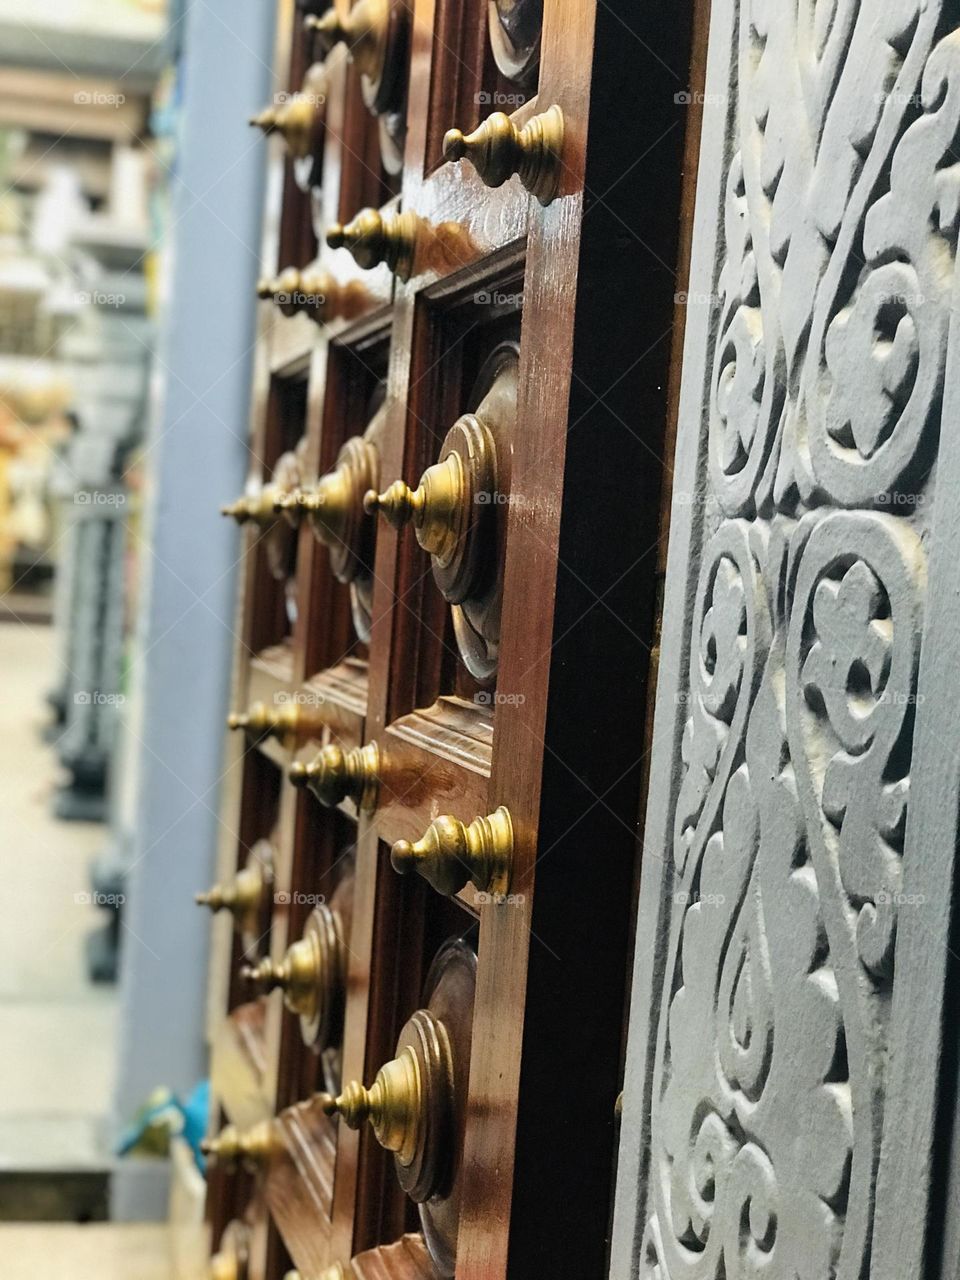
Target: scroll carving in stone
{"type": "Point", "coordinates": [810, 421]}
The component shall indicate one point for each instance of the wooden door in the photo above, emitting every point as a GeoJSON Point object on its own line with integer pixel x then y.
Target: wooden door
{"type": "Point", "coordinates": [791, 1074]}
{"type": "Point", "coordinates": [452, 554]}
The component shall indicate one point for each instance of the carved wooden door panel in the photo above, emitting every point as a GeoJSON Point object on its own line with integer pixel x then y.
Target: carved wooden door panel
{"type": "Point", "coordinates": [790, 1081]}
{"type": "Point", "coordinates": [446, 625]}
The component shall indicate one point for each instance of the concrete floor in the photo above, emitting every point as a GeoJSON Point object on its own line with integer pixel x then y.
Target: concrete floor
{"type": "Point", "coordinates": [58, 1030]}
{"type": "Point", "coordinates": [105, 1252]}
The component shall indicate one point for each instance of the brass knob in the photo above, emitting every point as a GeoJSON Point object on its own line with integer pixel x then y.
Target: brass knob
{"type": "Point", "coordinates": [450, 853]}
{"type": "Point", "coordinates": [336, 774]}
{"type": "Point", "coordinates": [365, 32]}
{"type": "Point", "coordinates": [314, 292]}
{"type": "Point", "coordinates": [329, 504]}
{"type": "Point", "coordinates": [410, 1105]}
{"type": "Point", "coordinates": [313, 974]}
{"type": "Point", "coordinates": [288, 720]}
{"type": "Point", "coordinates": [393, 1105]}
{"type": "Point", "coordinates": [437, 508]}
{"type": "Point", "coordinates": [243, 897]}
{"type": "Point", "coordinates": [254, 1147]}
{"type": "Point", "coordinates": [256, 508]}
{"type": "Point", "coordinates": [296, 975]}
{"type": "Point", "coordinates": [297, 121]}
{"type": "Point", "coordinates": [498, 150]}
{"type": "Point", "coordinates": [225, 1266]}
{"type": "Point", "coordinates": [374, 237]}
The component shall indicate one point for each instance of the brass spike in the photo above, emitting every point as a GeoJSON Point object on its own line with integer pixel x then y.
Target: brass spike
{"type": "Point", "coordinates": [435, 507]}
{"type": "Point", "coordinates": [225, 1266]}
{"type": "Point", "coordinates": [335, 774]}
{"type": "Point", "coordinates": [253, 507]}
{"type": "Point", "coordinates": [329, 504]}
{"type": "Point", "coordinates": [364, 31]}
{"type": "Point", "coordinates": [266, 120]}
{"type": "Point", "coordinates": [498, 150]}
{"type": "Point", "coordinates": [373, 237]}
{"type": "Point", "coordinates": [255, 1146]}
{"type": "Point", "coordinates": [242, 896]}
{"type": "Point", "coordinates": [286, 720]}
{"type": "Point", "coordinates": [265, 974]}
{"type": "Point", "coordinates": [327, 27]}
{"type": "Point", "coordinates": [298, 975]}
{"type": "Point", "coordinates": [316, 293]}
{"type": "Point", "coordinates": [392, 1104]}
{"type": "Point", "coordinates": [289, 502]}
{"type": "Point", "coordinates": [450, 853]}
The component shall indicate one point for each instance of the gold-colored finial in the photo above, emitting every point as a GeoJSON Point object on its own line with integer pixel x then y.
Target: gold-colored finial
{"type": "Point", "coordinates": [327, 27]}
{"type": "Point", "coordinates": [256, 508]}
{"type": "Point", "coordinates": [436, 508]}
{"type": "Point", "coordinates": [254, 1147]}
{"type": "Point", "coordinates": [298, 975]}
{"type": "Point", "coordinates": [392, 1104]}
{"type": "Point", "coordinates": [266, 975]}
{"type": "Point", "coordinates": [314, 292]}
{"type": "Point", "coordinates": [451, 853]}
{"type": "Point", "coordinates": [289, 502]}
{"type": "Point", "coordinates": [243, 896]}
{"type": "Point", "coordinates": [311, 975]}
{"type": "Point", "coordinates": [335, 774]}
{"type": "Point", "coordinates": [298, 117]}
{"type": "Point", "coordinates": [226, 1266]}
{"type": "Point", "coordinates": [498, 150]}
{"type": "Point", "coordinates": [365, 32]}
{"type": "Point", "coordinates": [265, 120]}
{"type": "Point", "coordinates": [373, 237]}
{"type": "Point", "coordinates": [328, 504]}
{"type": "Point", "coordinates": [288, 719]}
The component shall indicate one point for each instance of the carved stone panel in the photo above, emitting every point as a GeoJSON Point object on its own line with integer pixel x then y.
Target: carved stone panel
{"type": "Point", "coordinates": [781, 1088]}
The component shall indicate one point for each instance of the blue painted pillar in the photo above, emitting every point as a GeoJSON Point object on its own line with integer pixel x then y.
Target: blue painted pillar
{"type": "Point", "coordinates": [196, 455]}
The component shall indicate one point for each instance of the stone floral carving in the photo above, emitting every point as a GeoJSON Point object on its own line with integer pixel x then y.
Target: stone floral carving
{"type": "Point", "coordinates": [821, 422]}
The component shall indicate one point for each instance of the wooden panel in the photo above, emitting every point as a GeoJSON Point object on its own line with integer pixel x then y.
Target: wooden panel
{"type": "Point", "coordinates": [584, 286]}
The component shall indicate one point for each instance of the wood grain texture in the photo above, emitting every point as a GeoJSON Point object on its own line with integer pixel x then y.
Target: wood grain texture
{"type": "Point", "coordinates": [588, 282]}
{"type": "Point", "coordinates": [799, 938]}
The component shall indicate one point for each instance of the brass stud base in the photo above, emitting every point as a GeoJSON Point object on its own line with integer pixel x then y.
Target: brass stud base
{"type": "Point", "coordinates": [373, 238]}
{"type": "Point", "coordinates": [451, 853]}
{"type": "Point", "coordinates": [498, 150]}
{"type": "Point", "coordinates": [336, 774]}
